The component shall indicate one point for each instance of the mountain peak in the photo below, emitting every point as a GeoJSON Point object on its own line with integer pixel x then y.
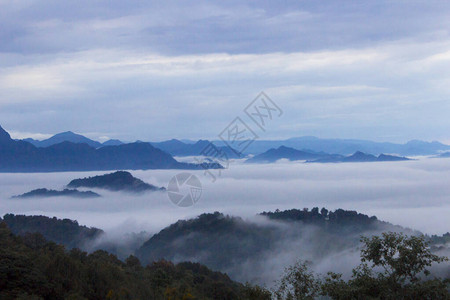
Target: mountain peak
{"type": "Point", "coordinates": [202, 142]}
{"type": "Point", "coordinates": [112, 142]}
{"type": "Point", "coordinates": [4, 135]}
{"type": "Point", "coordinates": [67, 136]}
{"type": "Point", "coordinates": [117, 181]}
{"type": "Point", "coordinates": [65, 133]}
{"type": "Point", "coordinates": [359, 153]}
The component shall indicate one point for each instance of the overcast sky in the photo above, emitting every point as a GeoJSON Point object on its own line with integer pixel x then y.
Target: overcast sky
{"type": "Point", "coordinates": [155, 70]}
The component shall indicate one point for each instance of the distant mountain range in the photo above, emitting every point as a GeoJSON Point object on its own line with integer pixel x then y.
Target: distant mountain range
{"type": "Point", "coordinates": [179, 148]}
{"type": "Point", "coordinates": [67, 136]}
{"type": "Point", "coordinates": [292, 154]}
{"type": "Point", "coordinates": [194, 148]}
{"type": "Point", "coordinates": [446, 154]}
{"type": "Point", "coordinates": [174, 147]}
{"type": "Point", "coordinates": [348, 146]}
{"type": "Point", "coordinates": [359, 157]}
{"type": "Point", "coordinates": [68, 151]}
{"type": "Point", "coordinates": [21, 156]}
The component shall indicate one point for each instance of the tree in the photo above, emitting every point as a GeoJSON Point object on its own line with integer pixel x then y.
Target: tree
{"type": "Point", "coordinates": [393, 266]}
{"type": "Point", "coordinates": [297, 283]}
{"type": "Point", "coordinates": [255, 292]}
{"type": "Point", "coordinates": [401, 262]}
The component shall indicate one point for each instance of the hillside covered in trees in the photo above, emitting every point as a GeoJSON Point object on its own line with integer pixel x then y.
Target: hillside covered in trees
{"type": "Point", "coordinates": [61, 231]}
{"type": "Point", "coordinates": [393, 265]}
{"type": "Point", "coordinates": [234, 245]}
{"type": "Point", "coordinates": [117, 181]}
{"type": "Point", "coordinates": [33, 268]}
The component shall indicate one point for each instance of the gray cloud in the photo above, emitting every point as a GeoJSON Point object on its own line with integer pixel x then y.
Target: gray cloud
{"type": "Point", "coordinates": [148, 71]}
{"type": "Point", "coordinates": [208, 27]}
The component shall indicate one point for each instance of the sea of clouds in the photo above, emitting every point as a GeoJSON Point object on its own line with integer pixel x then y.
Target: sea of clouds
{"type": "Point", "coordinates": [414, 194]}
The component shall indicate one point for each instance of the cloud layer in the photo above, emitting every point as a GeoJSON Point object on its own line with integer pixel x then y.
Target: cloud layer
{"type": "Point", "coordinates": [150, 71]}
{"type": "Point", "coordinates": [413, 194]}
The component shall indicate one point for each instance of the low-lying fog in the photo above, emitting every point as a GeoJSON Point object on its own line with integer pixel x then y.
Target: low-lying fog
{"type": "Point", "coordinates": [413, 194]}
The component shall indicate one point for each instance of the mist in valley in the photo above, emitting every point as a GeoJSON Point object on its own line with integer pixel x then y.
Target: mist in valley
{"type": "Point", "coordinates": [413, 194]}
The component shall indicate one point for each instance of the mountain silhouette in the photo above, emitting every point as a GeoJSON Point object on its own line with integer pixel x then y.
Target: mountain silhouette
{"type": "Point", "coordinates": [283, 152]}
{"type": "Point", "coordinates": [112, 142]}
{"type": "Point", "coordinates": [4, 136]}
{"type": "Point", "coordinates": [21, 156]}
{"type": "Point", "coordinates": [445, 154]}
{"type": "Point", "coordinates": [178, 148]}
{"type": "Point", "coordinates": [292, 154]}
{"type": "Point", "coordinates": [230, 243]}
{"type": "Point", "coordinates": [347, 146]}
{"type": "Point", "coordinates": [359, 156]}
{"type": "Point", "coordinates": [117, 181]}
{"type": "Point", "coordinates": [67, 136]}
{"type": "Point", "coordinates": [45, 193]}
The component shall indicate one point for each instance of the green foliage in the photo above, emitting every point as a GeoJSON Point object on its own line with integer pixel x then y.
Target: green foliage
{"type": "Point", "coordinates": [255, 292]}
{"type": "Point", "coordinates": [65, 231]}
{"type": "Point", "coordinates": [393, 266]}
{"type": "Point", "coordinates": [297, 283]}
{"type": "Point", "coordinates": [402, 258]}
{"type": "Point", "coordinates": [32, 268]}
{"type": "Point", "coordinates": [338, 221]}
{"type": "Point", "coordinates": [226, 242]}
{"type": "Point", "coordinates": [222, 240]}
{"type": "Point", "coordinates": [444, 239]}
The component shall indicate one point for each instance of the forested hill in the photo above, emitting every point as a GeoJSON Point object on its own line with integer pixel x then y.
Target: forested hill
{"type": "Point", "coordinates": [32, 268]}
{"type": "Point", "coordinates": [227, 243]}
{"type": "Point", "coordinates": [255, 249]}
{"type": "Point", "coordinates": [62, 231]}
{"type": "Point", "coordinates": [338, 220]}
{"type": "Point", "coordinates": [117, 181]}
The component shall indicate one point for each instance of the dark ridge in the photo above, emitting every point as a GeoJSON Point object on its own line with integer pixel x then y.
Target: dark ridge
{"type": "Point", "coordinates": [292, 154]}
{"type": "Point", "coordinates": [33, 268]}
{"type": "Point", "coordinates": [21, 156]}
{"type": "Point", "coordinates": [53, 193]}
{"type": "Point", "coordinates": [117, 181]}
{"type": "Point", "coordinates": [358, 157]}
{"type": "Point", "coordinates": [226, 243]}
{"type": "Point", "coordinates": [62, 231]}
